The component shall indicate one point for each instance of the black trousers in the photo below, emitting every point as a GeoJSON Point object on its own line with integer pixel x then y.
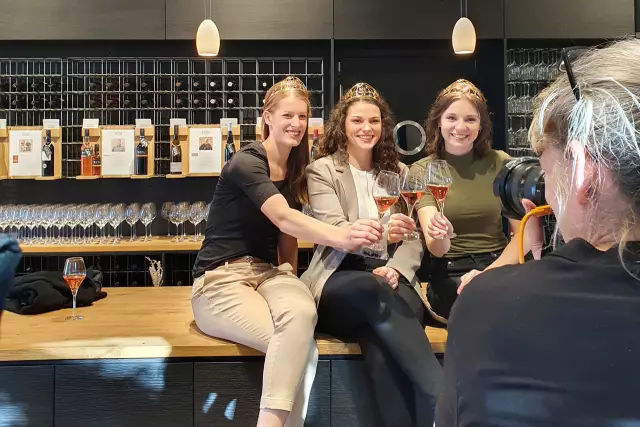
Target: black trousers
{"type": "Point", "coordinates": [389, 326]}
{"type": "Point", "coordinates": [444, 278]}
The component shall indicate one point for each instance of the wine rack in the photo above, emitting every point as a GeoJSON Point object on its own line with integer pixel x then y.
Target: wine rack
{"type": "Point", "coordinates": [117, 91]}
{"type": "Point", "coordinates": [528, 72]}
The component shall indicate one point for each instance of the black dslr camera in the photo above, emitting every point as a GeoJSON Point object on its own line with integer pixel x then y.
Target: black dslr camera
{"type": "Point", "coordinates": [520, 178]}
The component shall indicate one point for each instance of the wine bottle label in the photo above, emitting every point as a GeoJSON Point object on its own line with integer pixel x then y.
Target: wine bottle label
{"type": "Point", "coordinates": [86, 152]}
{"type": "Point", "coordinates": [175, 167]}
{"type": "Point", "coordinates": [46, 153]}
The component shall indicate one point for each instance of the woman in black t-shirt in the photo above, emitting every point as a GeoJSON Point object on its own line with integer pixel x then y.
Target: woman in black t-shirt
{"type": "Point", "coordinates": [245, 287]}
{"type": "Point", "coordinates": [554, 342]}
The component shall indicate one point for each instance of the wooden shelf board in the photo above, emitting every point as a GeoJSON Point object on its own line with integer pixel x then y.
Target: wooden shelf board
{"type": "Point", "coordinates": [86, 178]}
{"type": "Point", "coordinates": [135, 323]}
{"type": "Point", "coordinates": [156, 244]}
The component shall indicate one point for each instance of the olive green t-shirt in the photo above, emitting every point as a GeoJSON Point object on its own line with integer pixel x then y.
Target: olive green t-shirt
{"type": "Point", "coordinates": [470, 206]}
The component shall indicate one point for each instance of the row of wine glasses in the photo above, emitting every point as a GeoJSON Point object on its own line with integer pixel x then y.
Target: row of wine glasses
{"type": "Point", "coordinates": [389, 186]}
{"type": "Point", "coordinates": [532, 64]}
{"type": "Point", "coordinates": [181, 212]}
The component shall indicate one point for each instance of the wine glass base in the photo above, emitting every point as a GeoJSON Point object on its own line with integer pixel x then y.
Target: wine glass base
{"type": "Point", "coordinates": [411, 237]}
{"type": "Point", "coordinates": [74, 318]}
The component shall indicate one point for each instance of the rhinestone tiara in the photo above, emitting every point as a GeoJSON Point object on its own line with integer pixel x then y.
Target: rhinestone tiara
{"type": "Point", "coordinates": [361, 91]}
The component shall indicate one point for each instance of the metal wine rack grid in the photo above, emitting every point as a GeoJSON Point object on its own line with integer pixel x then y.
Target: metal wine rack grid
{"type": "Point", "coordinates": [119, 90]}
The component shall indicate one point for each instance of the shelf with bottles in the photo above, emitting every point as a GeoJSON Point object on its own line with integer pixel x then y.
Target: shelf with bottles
{"type": "Point", "coordinates": [31, 152]}
{"type": "Point", "coordinates": [315, 134]}
{"type": "Point", "coordinates": [140, 157]}
{"type": "Point", "coordinates": [180, 143]}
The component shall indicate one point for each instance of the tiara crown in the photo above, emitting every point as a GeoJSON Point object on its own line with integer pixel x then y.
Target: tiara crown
{"type": "Point", "coordinates": [362, 91]}
{"type": "Point", "coordinates": [290, 83]}
{"type": "Point", "coordinates": [463, 86]}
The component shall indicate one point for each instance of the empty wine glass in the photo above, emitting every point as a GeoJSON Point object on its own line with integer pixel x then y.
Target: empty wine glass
{"type": "Point", "coordinates": [147, 215]}
{"type": "Point", "coordinates": [132, 215]}
{"type": "Point", "coordinates": [439, 182]}
{"type": "Point", "coordinates": [74, 274]}
{"type": "Point", "coordinates": [164, 212]}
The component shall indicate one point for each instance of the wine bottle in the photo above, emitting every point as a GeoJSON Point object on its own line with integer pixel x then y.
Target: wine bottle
{"type": "Point", "coordinates": [86, 156]}
{"type": "Point", "coordinates": [182, 103]}
{"type": "Point", "coordinates": [146, 102]}
{"type": "Point", "coordinates": [232, 102]}
{"type": "Point", "coordinates": [129, 84]}
{"type": "Point", "coordinates": [97, 161]}
{"type": "Point", "coordinates": [95, 85]}
{"type": "Point", "coordinates": [36, 85]}
{"type": "Point", "coordinates": [214, 85]}
{"type": "Point", "coordinates": [48, 152]}
{"type": "Point", "coordinates": [175, 160]}
{"type": "Point", "coordinates": [37, 103]}
{"type": "Point", "coordinates": [4, 85]}
{"type": "Point", "coordinates": [4, 102]}
{"type": "Point", "coordinates": [55, 103]}
{"type": "Point", "coordinates": [263, 85]}
{"type": "Point", "coordinates": [180, 85]}
{"type": "Point", "coordinates": [197, 85]}
{"type": "Point", "coordinates": [215, 102]}
{"type": "Point", "coordinates": [315, 146]}
{"type": "Point", "coordinates": [230, 148]}
{"type": "Point", "coordinates": [146, 85]}
{"type": "Point", "coordinates": [18, 86]}
{"type": "Point", "coordinates": [232, 85]}
{"type": "Point", "coordinates": [18, 102]}
{"type": "Point", "coordinates": [111, 85]}
{"type": "Point", "coordinates": [141, 155]}
{"type": "Point", "coordinates": [199, 102]}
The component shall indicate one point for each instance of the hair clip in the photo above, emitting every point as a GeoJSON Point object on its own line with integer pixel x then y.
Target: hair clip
{"type": "Point", "coordinates": [362, 91]}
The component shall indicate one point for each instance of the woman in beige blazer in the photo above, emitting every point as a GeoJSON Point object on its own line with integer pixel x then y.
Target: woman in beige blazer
{"type": "Point", "coordinates": [362, 298]}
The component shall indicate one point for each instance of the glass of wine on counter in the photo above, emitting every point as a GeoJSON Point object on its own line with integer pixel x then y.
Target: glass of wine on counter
{"type": "Point", "coordinates": [439, 182]}
{"type": "Point", "coordinates": [74, 274]}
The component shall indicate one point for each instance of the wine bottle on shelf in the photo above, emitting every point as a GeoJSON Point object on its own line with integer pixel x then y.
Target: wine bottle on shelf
{"type": "Point", "coordinates": [55, 102]}
{"type": "Point", "coordinates": [48, 152]}
{"type": "Point", "coordinates": [230, 148]}
{"type": "Point", "coordinates": [180, 84]}
{"type": "Point", "coordinates": [263, 85]}
{"type": "Point", "coordinates": [36, 85]}
{"type": "Point", "coordinates": [215, 102]}
{"type": "Point", "coordinates": [141, 155]}
{"type": "Point", "coordinates": [111, 85]}
{"type": "Point", "coordinates": [129, 101]}
{"type": "Point", "coordinates": [19, 102]}
{"type": "Point", "coordinates": [4, 85]}
{"type": "Point", "coordinates": [4, 102]}
{"type": "Point", "coordinates": [232, 85]}
{"type": "Point", "coordinates": [53, 86]}
{"type": "Point", "coordinates": [175, 158]}
{"type": "Point", "coordinates": [129, 84]}
{"type": "Point", "coordinates": [18, 86]}
{"type": "Point", "coordinates": [315, 146]}
{"type": "Point", "coordinates": [146, 85]}
{"type": "Point", "coordinates": [36, 103]}
{"type": "Point", "coordinates": [95, 102]}
{"type": "Point", "coordinates": [95, 85]}
{"type": "Point", "coordinates": [86, 156]}
{"type": "Point", "coordinates": [214, 85]}
{"type": "Point", "coordinates": [113, 103]}
{"type": "Point", "coordinates": [97, 161]}
{"type": "Point", "coordinates": [182, 103]}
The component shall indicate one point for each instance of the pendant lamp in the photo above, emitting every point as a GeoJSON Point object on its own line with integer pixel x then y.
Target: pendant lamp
{"type": "Point", "coordinates": [464, 35]}
{"type": "Point", "coordinates": [208, 37]}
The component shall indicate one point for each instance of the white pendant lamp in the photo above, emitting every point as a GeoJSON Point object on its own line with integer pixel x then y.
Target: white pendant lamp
{"type": "Point", "coordinates": [208, 37]}
{"type": "Point", "coordinates": [464, 35]}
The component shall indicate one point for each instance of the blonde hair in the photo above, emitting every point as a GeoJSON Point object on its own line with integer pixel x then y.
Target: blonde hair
{"type": "Point", "coordinates": [299, 156]}
{"type": "Point", "coordinates": [603, 123]}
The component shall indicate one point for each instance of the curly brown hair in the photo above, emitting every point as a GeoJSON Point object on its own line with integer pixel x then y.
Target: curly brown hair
{"type": "Point", "coordinates": [460, 89]}
{"type": "Point", "coordinates": [335, 139]}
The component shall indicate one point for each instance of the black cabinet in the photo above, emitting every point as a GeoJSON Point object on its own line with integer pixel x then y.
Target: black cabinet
{"type": "Point", "coordinates": [253, 20]}
{"type": "Point", "coordinates": [26, 395]}
{"type": "Point", "coordinates": [82, 20]}
{"type": "Point", "coordinates": [569, 19]}
{"type": "Point", "coordinates": [414, 19]}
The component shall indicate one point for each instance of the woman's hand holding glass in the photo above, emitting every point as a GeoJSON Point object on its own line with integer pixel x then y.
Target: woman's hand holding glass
{"type": "Point", "coordinates": [400, 226]}
{"type": "Point", "coordinates": [363, 232]}
{"type": "Point", "coordinates": [439, 227]}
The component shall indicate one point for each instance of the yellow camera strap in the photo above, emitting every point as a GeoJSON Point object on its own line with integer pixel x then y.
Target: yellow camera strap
{"type": "Point", "coordinates": [538, 212]}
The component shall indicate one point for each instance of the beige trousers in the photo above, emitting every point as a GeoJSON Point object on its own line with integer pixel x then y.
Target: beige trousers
{"type": "Point", "coordinates": [269, 309]}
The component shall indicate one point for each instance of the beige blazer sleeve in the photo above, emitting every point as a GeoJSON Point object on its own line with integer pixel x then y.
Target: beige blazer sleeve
{"type": "Point", "coordinates": [323, 196]}
{"type": "Point", "coordinates": [407, 257]}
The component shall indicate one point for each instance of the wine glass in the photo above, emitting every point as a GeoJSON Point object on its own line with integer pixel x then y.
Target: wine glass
{"type": "Point", "coordinates": [439, 182]}
{"type": "Point", "coordinates": [147, 215]}
{"type": "Point", "coordinates": [412, 188]}
{"type": "Point", "coordinates": [74, 274]}
{"type": "Point", "coordinates": [386, 192]}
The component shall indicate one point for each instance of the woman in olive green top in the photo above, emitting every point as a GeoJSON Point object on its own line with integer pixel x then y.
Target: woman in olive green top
{"type": "Point", "coordinates": [459, 131]}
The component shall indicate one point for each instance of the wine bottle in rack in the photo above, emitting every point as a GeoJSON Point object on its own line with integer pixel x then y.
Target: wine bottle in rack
{"type": "Point", "coordinates": [232, 85]}
{"type": "Point", "coordinates": [146, 85]}
{"type": "Point", "coordinates": [86, 156]}
{"type": "Point", "coordinates": [18, 102]}
{"type": "Point", "coordinates": [4, 85]}
{"type": "Point", "coordinates": [113, 102]}
{"type": "Point", "coordinates": [97, 161]}
{"type": "Point", "coordinates": [214, 85]}
{"type": "Point", "coordinates": [182, 102]}
{"type": "Point", "coordinates": [141, 155]}
{"type": "Point", "coordinates": [232, 102]}
{"type": "Point", "coordinates": [19, 86]}
{"type": "Point", "coordinates": [36, 103]}
{"type": "Point", "coordinates": [53, 86]}
{"type": "Point", "coordinates": [36, 85]}
{"type": "Point", "coordinates": [48, 152]}
{"type": "Point", "coordinates": [180, 84]}
{"type": "Point", "coordinates": [129, 84]}
{"type": "Point", "coordinates": [263, 85]}
{"type": "Point", "coordinates": [199, 102]}
{"type": "Point", "coordinates": [315, 146]}
{"type": "Point", "coordinates": [197, 85]}
{"type": "Point", "coordinates": [4, 102]}
{"type": "Point", "coordinates": [175, 158]}
{"type": "Point", "coordinates": [146, 101]}
{"type": "Point", "coordinates": [112, 85]}
{"type": "Point", "coordinates": [129, 101]}
{"type": "Point", "coordinates": [54, 102]}
{"type": "Point", "coordinates": [95, 102]}
{"type": "Point", "coordinates": [215, 102]}
{"type": "Point", "coordinates": [230, 148]}
{"type": "Point", "coordinates": [95, 85]}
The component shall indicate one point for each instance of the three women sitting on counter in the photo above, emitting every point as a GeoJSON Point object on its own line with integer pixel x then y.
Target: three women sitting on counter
{"type": "Point", "coordinates": [550, 342]}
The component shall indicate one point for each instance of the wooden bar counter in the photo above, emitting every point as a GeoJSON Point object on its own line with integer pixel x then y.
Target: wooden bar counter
{"type": "Point", "coordinates": [137, 359]}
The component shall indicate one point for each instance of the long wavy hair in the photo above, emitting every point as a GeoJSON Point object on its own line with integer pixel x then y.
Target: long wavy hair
{"type": "Point", "coordinates": [299, 156]}
{"type": "Point", "coordinates": [460, 89]}
{"type": "Point", "coordinates": [335, 140]}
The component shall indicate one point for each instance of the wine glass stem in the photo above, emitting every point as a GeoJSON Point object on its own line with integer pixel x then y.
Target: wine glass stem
{"type": "Point", "coordinates": [75, 293]}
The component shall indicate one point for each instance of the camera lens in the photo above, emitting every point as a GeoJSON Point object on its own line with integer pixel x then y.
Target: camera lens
{"type": "Point", "coordinates": [520, 178]}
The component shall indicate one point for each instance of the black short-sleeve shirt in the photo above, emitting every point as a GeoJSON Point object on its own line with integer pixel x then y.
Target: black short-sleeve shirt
{"type": "Point", "coordinates": [236, 227]}
{"type": "Point", "coordinates": [554, 342]}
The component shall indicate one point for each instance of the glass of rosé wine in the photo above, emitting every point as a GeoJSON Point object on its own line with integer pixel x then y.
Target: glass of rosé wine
{"type": "Point", "coordinates": [412, 188]}
{"type": "Point", "coordinates": [439, 182]}
{"type": "Point", "coordinates": [74, 274]}
{"type": "Point", "coordinates": [386, 192]}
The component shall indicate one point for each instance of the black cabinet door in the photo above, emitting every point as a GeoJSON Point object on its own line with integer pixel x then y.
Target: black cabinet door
{"type": "Point", "coordinates": [568, 19]}
{"type": "Point", "coordinates": [253, 20]}
{"type": "Point", "coordinates": [82, 20]}
{"type": "Point", "coordinates": [414, 19]}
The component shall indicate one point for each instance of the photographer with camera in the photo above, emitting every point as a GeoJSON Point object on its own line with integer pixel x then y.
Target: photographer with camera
{"type": "Point", "coordinates": [555, 341]}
